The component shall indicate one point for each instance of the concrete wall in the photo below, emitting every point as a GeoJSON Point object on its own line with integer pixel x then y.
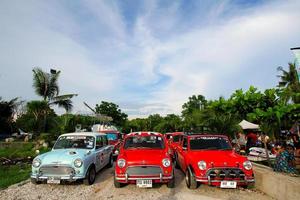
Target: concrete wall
{"type": "Point", "coordinates": [277, 185]}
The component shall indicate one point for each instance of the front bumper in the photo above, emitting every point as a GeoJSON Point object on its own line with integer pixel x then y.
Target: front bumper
{"type": "Point", "coordinates": [125, 178]}
{"type": "Point", "coordinates": [69, 178]}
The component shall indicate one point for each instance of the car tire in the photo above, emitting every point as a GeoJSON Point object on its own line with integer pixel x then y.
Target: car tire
{"type": "Point", "coordinates": [111, 161]}
{"type": "Point", "coordinates": [171, 183]}
{"type": "Point", "coordinates": [176, 162]}
{"type": "Point", "coordinates": [34, 181]}
{"type": "Point", "coordinates": [190, 180]}
{"type": "Point", "coordinates": [90, 176]}
{"type": "Point", "coordinates": [116, 183]}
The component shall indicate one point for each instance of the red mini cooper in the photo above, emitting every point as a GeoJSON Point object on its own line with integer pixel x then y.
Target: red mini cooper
{"type": "Point", "coordinates": [209, 159]}
{"type": "Point", "coordinates": [174, 141]}
{"type": "Point", "coordinates": [144, 160]}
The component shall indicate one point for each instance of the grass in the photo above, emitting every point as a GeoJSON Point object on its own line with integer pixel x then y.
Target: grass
{"type": "Point", "coordinates": [21, 150]}
{"type": "Point", "coordinates": [12, 174]}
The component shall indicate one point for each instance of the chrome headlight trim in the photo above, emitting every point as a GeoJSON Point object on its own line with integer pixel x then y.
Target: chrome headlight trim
{"type": "Point", "coordinates": [36, 162]}
{"type": "Point", "coordinates": [166, 162]}
{"type": "Point", "coordinates": [78, 162]}
{"type": "Point", "coordinates": [202, 165]}
{"type": "Point", "coordinates": [121, 163]}
{"type": "Point", "coordinates": [247, 165]}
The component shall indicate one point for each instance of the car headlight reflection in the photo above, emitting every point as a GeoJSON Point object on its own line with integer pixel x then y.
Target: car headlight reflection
{"type": "Point", "coordinates": [36, 162]}
{"type": "Point", "coordinates": [202, 165]}
{"type": "Point", "coordinates": [166, 162]}
{"type": "Point", "coordinates": [78, 162]}
{"type": "Point", "coordinates": [247, 165]}
{"type": "Point", "coordinates": [121, 163]}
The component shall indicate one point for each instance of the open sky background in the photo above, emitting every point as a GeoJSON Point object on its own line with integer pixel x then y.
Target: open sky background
{"type": "Point", "coordinates": [147, 56]}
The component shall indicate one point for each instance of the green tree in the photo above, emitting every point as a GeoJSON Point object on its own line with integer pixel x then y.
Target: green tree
{"type": "Point", "coordinates": [112, 110]}
{"type": "Point", "coordinates": [46, 86]}
{"type": "Point", "coordinates": [289, 83]}
{"type": "Point", "coordinates": [6, 114]}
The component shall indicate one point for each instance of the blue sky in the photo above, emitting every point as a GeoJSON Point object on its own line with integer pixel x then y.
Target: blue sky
{"type": "Point", "coordinates": [146, 56]}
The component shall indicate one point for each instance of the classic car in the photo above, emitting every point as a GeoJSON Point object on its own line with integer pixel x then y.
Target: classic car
{"type": "Point", "coordinates": [144, 160]}
{"type": "Point", "coordinates": [74, 156]}
{"type": "Point", "coordinates": [174, 141]}
{"type": "Point", "coordinates": [113, 135]}
{"type": "Point", "coordinates": [210, 159]}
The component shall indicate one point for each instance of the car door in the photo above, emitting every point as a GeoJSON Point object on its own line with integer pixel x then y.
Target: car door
{"type": "Point", "coordinates": [106, 149]}
{"type": "Point", "coordinates": [182, 150]}
{"type": "Point", "coordinates": [99, 151]}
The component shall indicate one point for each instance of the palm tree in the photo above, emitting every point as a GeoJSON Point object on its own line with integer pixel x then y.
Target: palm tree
{"type": "Point", "coordinates": [289, 82]}
{"type": "Point", "coordinates": [46, 86]}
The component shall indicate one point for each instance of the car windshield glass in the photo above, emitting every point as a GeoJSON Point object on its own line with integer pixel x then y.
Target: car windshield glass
{"type": "Point", "coordinates": [112, 136]}
{"type": "Point", "coordinates": [176, 138]}
{"type": "Point", "coordinates": [155, 142]}
{"type": "Point", "coordinates": [209, 142]}
{"type": "Point", "coordinates": [75, 141]}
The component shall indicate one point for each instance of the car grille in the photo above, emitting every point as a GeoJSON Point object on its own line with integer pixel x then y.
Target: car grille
{"type": "Point", "coordinates": [143, 170]}
{"type": "Point", "coordinates": [56, 170]}
{"type": "Point", "coordinates": [225, 173]}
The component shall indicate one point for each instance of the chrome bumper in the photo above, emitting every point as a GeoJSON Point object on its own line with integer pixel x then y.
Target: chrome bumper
{"type": "Point", "coordinates": [56, 177]}
{"type": "Point", "coordinates": [126, 178]}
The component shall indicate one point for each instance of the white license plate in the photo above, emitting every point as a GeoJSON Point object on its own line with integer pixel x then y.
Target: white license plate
{"type": "Point", "coordinates": [144, 183]}
{"type": "Point", "coordinates": [228, 184]}
{"type": "Point", "coordinates": [53, 181]}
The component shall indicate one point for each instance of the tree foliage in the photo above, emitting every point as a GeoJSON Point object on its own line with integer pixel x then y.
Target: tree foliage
{"type": "Point", "coordinates": [112, 110]}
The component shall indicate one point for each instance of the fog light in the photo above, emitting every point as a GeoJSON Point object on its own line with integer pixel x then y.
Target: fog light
{"type": "Point", "coordinates": [77, 172]}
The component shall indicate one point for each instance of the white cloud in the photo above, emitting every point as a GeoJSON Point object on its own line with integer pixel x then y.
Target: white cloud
{"type": "Point", "coordinates": [153, 66]}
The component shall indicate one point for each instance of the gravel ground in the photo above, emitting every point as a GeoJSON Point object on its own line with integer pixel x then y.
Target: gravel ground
{"type": "Point", "coordinates": [103, 189]}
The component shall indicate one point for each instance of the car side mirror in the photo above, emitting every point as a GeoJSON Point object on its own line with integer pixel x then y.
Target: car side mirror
{"type": "Point", "coordinates": [88, 152]}
{"type": "Point", "coordinates": [184, 148]}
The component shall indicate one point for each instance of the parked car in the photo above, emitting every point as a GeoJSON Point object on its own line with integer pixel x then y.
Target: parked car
{"type": "Point", "coordinates": [174, 141]}
{"type": "Point", "coordinates": [113, 135]}
{"type": "Point", "coordinates": [74, 156]}
{"type": "Point", "coordinates": [210, 159]}
{"type": "Point", "coordinates": [144, 160]}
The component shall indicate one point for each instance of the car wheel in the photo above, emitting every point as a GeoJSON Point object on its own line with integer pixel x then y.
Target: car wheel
{"type": "Point", "coordinates": [116, 183]}
{"type": "Point", "coordinates": [171, 183]}
{"type": "Point", "coordinates": [90, 177]}
{"type": "Point", "coordinates": [111, 162]}
{"type": "Point", "coordinates": [190, 180]}
{"type": "Point", "coordinates": [176, 162]}
{"type": "Point", "coordinates": [34, 181]}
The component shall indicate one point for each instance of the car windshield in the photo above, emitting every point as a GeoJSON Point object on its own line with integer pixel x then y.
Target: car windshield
{"type": "Point", "coordinates": [176, 138]}
{"type": "Point", "coordinates": [112, 136]}
{"type": "Point", "coordinates": [209, 142]}
{"type": "Point", "coordinates": [155, 142]}
{"type": "Point", "coordinates": [75, 141]}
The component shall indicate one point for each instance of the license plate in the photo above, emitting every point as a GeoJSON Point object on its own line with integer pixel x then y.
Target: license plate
{"type": "Point", "coordinates": [228, 184]}
{"type": "Point", "coordinates": [144, 183]}
{"type": "Point", "coordinates": [52, 180]}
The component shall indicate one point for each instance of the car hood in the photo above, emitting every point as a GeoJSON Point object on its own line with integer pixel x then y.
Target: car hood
{"type": "Point", "coordinates": [144, 156]}
{"type": "Point", "coordinates": [218, 158]}
{"type": "Point", "coordinates": [62, 156]}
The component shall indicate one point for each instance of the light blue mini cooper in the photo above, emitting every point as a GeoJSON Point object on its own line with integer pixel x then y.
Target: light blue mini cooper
{"type": "Point", "coordinates": [74, 156]}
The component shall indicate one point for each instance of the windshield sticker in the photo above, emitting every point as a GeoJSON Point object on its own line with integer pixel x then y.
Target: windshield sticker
{"type": "Point", "coordinates": [208, 138]}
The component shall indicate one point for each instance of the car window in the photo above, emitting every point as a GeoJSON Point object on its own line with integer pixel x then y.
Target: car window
{"type": "Point", "coordinates": [105, 140]}
{"type": "Point", "coordinates": [112, 136]}
{"type": "Point", "coordinates": [153, 141]}
{"type": "Point", "coordinates": [184, 143]}
{"type": "Point", "coordinates": [176, 138]}
{"type": "Point", "coordinates": [209, 142]}
{"type": "Point", "coordinates": [99, 142]}
{"type": "Point", "coordinates": [75, 141]}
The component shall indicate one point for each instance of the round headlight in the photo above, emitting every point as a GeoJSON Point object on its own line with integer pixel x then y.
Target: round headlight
{"type": "Point", "coordinates": [78, 162]}
{"type": "Point", "coordinates": [166, 162]}
{"type": "Point", "coordinates": [36, 162]}
{"type": "Point", "coordinates": [247, 165]}
{"type": "Point", "coordinates": [121, 163]}
{"type": "Point", "coordinates": [202, 165]}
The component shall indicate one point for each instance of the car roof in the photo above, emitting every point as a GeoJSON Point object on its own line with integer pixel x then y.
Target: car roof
{"type": "Point", "coordinates": [143, 133]}
{"type": "Point", "coordinates": [84, 133]}
{"type": "Point", "coordinates": [207, 135]}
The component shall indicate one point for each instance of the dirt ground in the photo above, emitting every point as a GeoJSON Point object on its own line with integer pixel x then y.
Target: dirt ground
{"type": "Point", "coordinates": [103, 189]}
